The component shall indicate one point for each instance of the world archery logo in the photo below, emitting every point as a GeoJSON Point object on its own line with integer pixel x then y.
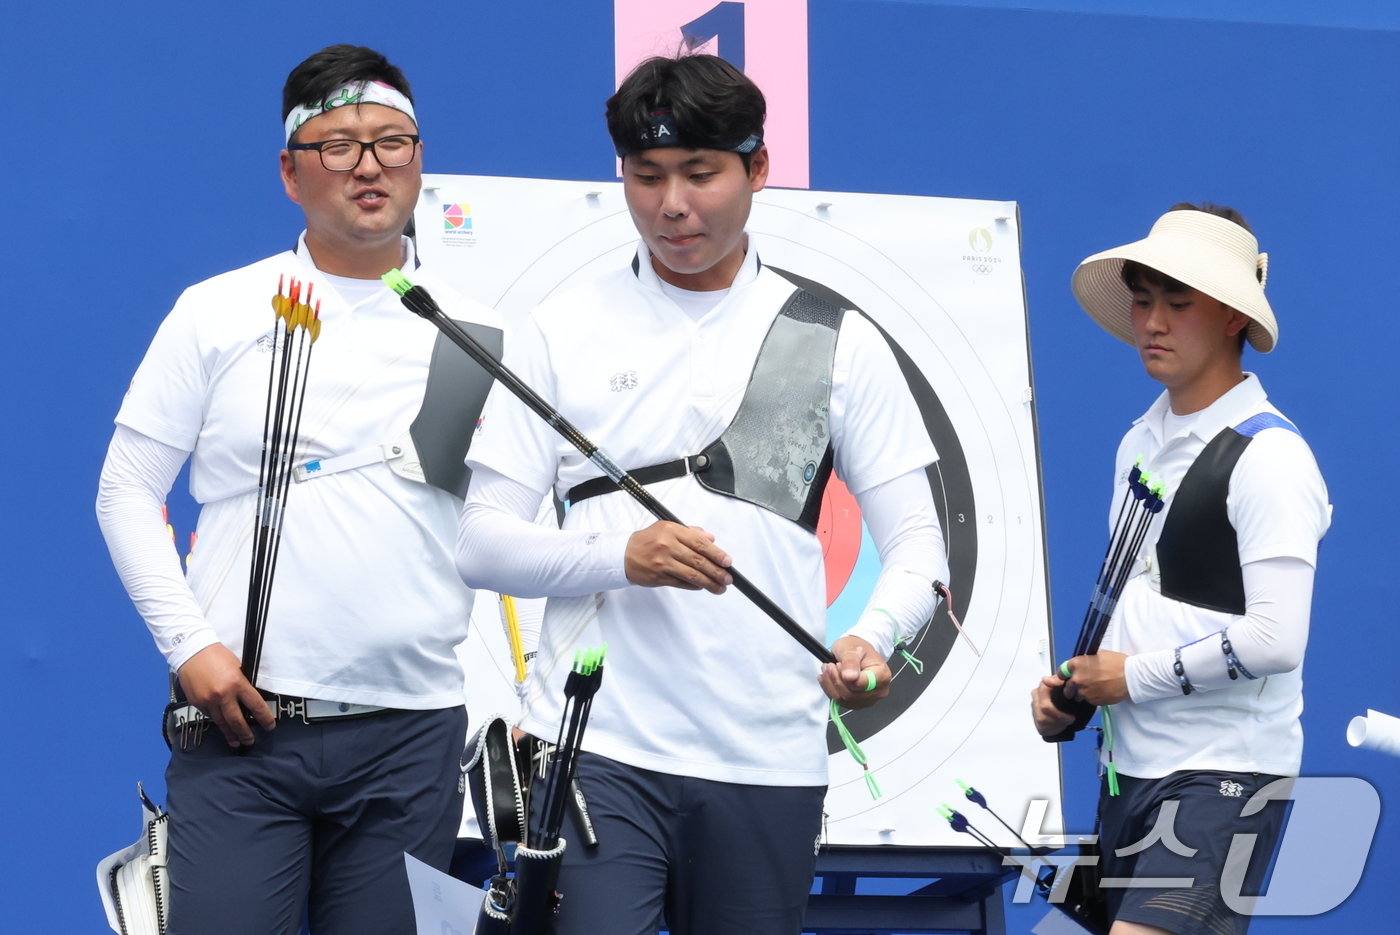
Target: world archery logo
{"type": "Point", "coordinates": [457, 218]}
{"type": "Point", "coordinates": [625, 380]}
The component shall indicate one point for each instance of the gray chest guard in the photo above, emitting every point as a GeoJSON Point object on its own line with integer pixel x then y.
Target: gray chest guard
{"type": "Point", "coordinates": [776, 453]}
{"type": "Point", "coordinates": [452, 401]}
{"type": "Point", "coordinates": [433, 449]}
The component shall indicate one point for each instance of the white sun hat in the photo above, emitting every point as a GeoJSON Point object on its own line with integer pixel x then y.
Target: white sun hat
{"type": "Point", "coordinates": [1199, 249]}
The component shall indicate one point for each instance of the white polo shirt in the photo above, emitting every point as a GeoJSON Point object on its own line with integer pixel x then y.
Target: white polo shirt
{"type": "Point", "coordinates": [367, 605]}
{"type": "Point", "coordinates": [694, 684]}
{"type": "Point", "coordinates": [1277, 504]}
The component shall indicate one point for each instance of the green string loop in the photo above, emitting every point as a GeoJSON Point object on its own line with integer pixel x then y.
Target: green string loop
{"type": "Point", "coordinates": [1111, 768]}
{"type": "Point", "coordinates": [910, 658]}
{"type": "Point", "coordinates": [853, 748]}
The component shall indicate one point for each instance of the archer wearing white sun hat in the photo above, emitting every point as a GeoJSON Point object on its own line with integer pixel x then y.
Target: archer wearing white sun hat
{"type": "Point", "coordinates": [1200, 670]}
{"type": "Point", "coordinates": [1210, 252]}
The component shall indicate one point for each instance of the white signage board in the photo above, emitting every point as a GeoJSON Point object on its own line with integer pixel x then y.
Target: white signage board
{"type": "Point", "coordinates": [941, 277]}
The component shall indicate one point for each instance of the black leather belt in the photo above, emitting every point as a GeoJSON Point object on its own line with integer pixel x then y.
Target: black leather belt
{"type": "Point", "coordinates": [185, 724]}
{"type": "Point", "coordinates": [694, 464]}
{"type": "Point", "coordinates": [312, 710]}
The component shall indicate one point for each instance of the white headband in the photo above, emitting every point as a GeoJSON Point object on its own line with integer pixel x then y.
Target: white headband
{"type": "Point", "coordinates": [360, 92]}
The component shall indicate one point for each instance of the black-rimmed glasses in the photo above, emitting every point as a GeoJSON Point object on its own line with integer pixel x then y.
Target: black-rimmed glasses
{"type": "Point", "coordinates": [344, 155]}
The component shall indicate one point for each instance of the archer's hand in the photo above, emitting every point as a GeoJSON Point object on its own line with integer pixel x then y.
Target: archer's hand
{"type": "Point", "coordinates": [1099, 678]}
{"type": "Point", "coordinates": [1049, 720]}
{"type": "Point", "coordinates": [674, 556]}
{"type": "Point", "coordinates": [844, 681]}
{"type": "Point", "coordinates": [214, 683]}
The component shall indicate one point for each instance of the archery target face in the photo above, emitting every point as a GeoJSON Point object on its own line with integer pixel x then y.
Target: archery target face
{"type": "Point", "coordinates": [941, 279]}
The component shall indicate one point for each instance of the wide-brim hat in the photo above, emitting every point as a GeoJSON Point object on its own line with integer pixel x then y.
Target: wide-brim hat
{"type": "Point", "coordinates": [1199, 249]}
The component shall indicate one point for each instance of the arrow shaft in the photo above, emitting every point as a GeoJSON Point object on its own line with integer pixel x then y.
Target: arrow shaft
{"type": "Point", "coordinates": [593, 453]}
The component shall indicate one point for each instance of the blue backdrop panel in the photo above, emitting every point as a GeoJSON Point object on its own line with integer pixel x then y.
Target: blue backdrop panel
{"type": "Point", "coordinates": [144, 158]}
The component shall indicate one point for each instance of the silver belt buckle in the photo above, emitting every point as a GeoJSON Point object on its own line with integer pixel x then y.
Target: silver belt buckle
{"type": "Point", "coordinates": [185, 723]}
{"type": "Point", "coordinates": [290, 707]}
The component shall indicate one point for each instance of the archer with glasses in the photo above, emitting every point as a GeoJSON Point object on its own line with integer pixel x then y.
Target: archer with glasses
{"type": "Point", "coordinates": [297, 783]}
{"type": "Point", "coordinates": [391, 152]}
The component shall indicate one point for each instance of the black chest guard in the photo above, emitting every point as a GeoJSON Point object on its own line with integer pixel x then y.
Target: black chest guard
{"type": "Point", "coordinates": [1198, 552]}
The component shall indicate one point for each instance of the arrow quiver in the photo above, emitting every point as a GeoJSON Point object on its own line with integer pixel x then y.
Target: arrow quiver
{"type": "Point", "coordinates": [1074, 888]}
{"type": "Point", "coordinates": [491, 768]}
{"type": "Point", "coordinates": [527, 903]}
{"type": "Point", "coordinates": [536, 895]}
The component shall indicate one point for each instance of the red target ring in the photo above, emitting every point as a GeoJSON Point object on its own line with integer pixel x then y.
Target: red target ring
{"type": "Point", "coordinates": [838, 530]}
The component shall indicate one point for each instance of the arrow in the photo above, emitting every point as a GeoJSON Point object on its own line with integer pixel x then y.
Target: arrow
{"type": "Point", "coordinates": [418, 301]}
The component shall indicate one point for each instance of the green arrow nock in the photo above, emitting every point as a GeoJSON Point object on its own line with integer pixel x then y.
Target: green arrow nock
{"type": "Point", "coordinates": [588, 661]}
{"type": "Point", "coordinates": [397, 281]}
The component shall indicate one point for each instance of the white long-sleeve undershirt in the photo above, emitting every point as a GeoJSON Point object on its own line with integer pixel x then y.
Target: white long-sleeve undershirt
{"type": "Point", "coordinates": [136, 479]}
{"type": "Point", "coordinates": [1268, 640]}
{"type": "Point", "coordinates": [904, 526]}
{"type": "Point", "coordinates": [500, 546]}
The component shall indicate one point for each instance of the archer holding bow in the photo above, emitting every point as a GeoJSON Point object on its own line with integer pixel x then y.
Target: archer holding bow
{"type": "Point", "coordinates": [732, 394]}
{"type": "Point", "coordinates": [1200, 662]}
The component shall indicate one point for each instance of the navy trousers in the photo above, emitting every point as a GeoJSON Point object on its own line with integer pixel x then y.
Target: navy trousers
{"type": "Point", "coordinates": [700, 857]}
{"type": "Point", "coordinates": [313, 820]}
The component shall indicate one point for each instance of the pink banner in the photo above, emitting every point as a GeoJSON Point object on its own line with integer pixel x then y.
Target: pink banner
{"type": "Point", "coordinates": [766, 38]}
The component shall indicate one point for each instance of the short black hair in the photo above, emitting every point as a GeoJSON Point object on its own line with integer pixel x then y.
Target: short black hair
{"type": "Point", "coordinates": [713, 105]}
{"type": "Point", "coordinates": [1134, 274]}
{"type": "Point", "coordinates": [322, 72]}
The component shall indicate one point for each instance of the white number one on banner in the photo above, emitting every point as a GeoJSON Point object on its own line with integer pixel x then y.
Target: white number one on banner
{"type": "Point", "coordinates": [766, 39]}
